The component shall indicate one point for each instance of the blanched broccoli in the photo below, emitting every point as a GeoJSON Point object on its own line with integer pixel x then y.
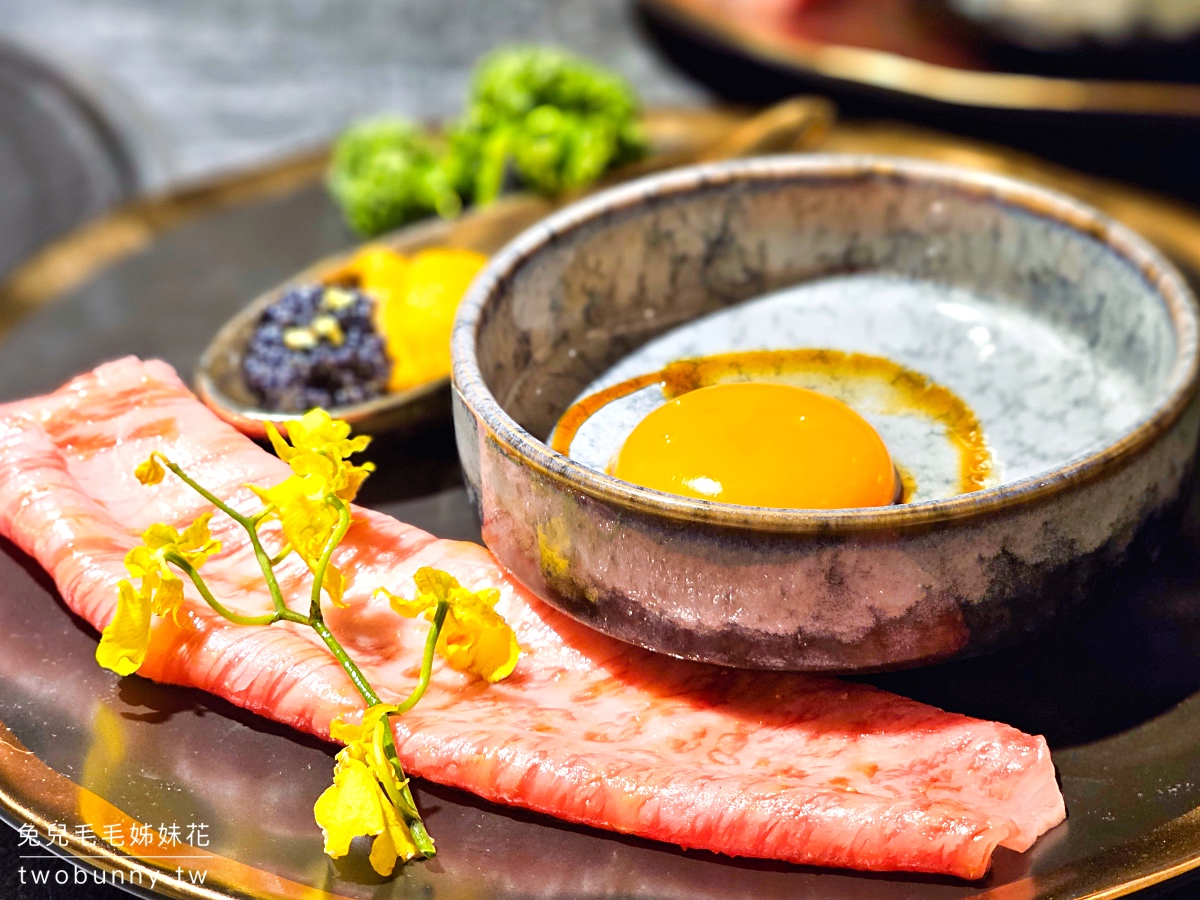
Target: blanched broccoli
{"type": "Point", "coordinates": [386, 172]}
{"type": "Point", "coordinates": [558, 120]}
{"type": "Point", "coordinates": [537, 116]}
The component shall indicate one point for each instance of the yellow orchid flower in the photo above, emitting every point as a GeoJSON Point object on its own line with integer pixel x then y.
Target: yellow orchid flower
{"type": "Point", "coordinates": [355, 805]}
{"type": "Point", "coordinates": [364, 796]}
{"type": "Point", "coordinates": [151, 471]}
{"type": "Point", "coordinates": [339, 478]}
{"type": "Point", "coordinates": [317, 436]}
{"type": "Point", "coordinates": [308, 519]}
{"type": "Point", "coordinates": [194, 544]}
{"type": "Point", "coordinates": [306, 504]}
{"type": "Point", "coordinates": [364, 732]}
{"type": "Point", "coordinates": [318, 432]}
{"type": "Point", "coordinates": [148, 560]}
{"type": "Point", "coordinates": [475, 639]}
{"type": "Point", "coordinates": [126, 638]}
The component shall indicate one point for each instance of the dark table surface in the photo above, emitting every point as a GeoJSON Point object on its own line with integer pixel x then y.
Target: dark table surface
{"type": "Point", "coordinates": [204, 87]}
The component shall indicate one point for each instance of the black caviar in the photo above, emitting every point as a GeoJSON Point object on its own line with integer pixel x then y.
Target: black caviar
{"type": "Point", "coordinates": [316, 346]}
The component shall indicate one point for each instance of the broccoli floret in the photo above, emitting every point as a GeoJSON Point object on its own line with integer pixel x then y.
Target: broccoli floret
{"type": "Point", "coordinates": [386, 172]}
{"type": "Point", "coordinates": [512, 82]}
{"type": "Point", "coordinates": [537, 117]}
{"type": "Point", "coordinates": [559, 120]}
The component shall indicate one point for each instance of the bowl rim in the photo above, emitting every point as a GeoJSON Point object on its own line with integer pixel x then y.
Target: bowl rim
{"type": "Point", "coordinates": [1159, 274]}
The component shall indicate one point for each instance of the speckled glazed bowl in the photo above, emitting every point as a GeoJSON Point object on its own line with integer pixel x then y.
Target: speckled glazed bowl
{"type": "Point", "coordinates": [844, 590]}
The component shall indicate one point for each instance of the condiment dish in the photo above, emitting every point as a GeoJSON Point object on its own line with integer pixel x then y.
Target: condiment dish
{"type": "Point", "coordinates": [836, 590]}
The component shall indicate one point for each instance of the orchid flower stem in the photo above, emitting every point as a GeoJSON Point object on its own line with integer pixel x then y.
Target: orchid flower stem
{"type": "Point", "coordinates": [435, 630]}
{"type": "Point", "coordinates": [420, 836]}
{"type": "Point", "coordinates": [265, 564]}
{"type": "Point", "coordinates": [268, 569]}
{"type": "Point", "coordinates": [248, 523]}
{"type": "Point", "coordinates": [188, 569]}
{"type": "Point", "coordinates": [416, 827]}
{"type": "Point", "coordinates": [406, 805]}
{"type": "Point", "coordinates": [281, 611]}
{"type": "Point", "coordinates": [356, 675]}
{"type": "Point", "coordinates": [314, 611]}
{"type": "Point", "coordinates": [205, 493]}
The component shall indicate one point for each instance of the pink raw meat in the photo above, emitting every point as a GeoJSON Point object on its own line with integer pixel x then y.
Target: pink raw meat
{"type": "Point", "coordinates": [804, 769]}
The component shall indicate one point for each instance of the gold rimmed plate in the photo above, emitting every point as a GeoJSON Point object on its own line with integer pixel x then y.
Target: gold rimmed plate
{"type": "Point", "coordinates": [1114, 694]}
{"type": "Point", "coordinates": [911, 59]}
{"type": "Point", "coordinates": [920, 55]}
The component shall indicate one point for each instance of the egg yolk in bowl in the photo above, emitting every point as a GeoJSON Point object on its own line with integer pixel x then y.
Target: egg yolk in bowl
{"type": "Point", "coordinates": [760, 444]}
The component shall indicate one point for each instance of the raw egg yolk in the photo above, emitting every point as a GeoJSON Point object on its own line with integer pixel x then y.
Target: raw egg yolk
{"type": "Point", "coordinates": [760, 444]}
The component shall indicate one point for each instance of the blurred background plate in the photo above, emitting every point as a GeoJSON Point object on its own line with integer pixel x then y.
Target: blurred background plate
{"type": "Point", "coordinates": [1128, 109]}
{"type": "Point", "coordinates": [62, 158]}
{"type": "Point", "coordinates": [1115, 695]}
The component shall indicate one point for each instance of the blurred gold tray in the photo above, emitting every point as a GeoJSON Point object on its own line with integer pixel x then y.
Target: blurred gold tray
{"type": "Point", "coordinates": [727, 24]}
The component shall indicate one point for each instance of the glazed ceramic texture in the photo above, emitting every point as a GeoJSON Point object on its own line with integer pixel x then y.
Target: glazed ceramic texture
{"type": "Point", "coordinates": [844, 590]}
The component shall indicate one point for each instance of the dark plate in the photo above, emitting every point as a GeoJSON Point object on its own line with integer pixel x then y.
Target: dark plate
{"type": "Point", "coordinates": [1115, 695]}
{"type": "Point", "coordinates": [907, 58]}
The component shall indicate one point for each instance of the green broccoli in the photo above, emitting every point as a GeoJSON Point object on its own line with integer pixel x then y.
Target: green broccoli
{"type": "Point", "coordinates": [386, 172]}
{"type": "Point", "coordinates": [537, 116]}
{"type": "Point", "coordinates": [558, 120]}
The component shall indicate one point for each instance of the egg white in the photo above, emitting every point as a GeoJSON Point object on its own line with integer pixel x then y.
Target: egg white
{"type": "Point", "coordinates": [1040, 394]}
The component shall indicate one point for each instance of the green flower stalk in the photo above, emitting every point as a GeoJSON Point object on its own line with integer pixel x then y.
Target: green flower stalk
{"type": "Point", "coordinates": [370, 794]}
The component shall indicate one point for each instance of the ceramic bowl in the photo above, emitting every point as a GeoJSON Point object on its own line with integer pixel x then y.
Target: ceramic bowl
{"type": "Point", "coordinates": [841, 590]}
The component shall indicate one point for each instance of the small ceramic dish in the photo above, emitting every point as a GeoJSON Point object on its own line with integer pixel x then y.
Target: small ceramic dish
{"type": "Point", "coordinates": [222, 387]}
{"type": "Point", "coordinates": [840, 590]}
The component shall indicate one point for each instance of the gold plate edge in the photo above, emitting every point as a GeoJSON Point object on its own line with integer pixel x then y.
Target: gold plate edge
{"type": "Point", "coordinates": [69, 261]}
